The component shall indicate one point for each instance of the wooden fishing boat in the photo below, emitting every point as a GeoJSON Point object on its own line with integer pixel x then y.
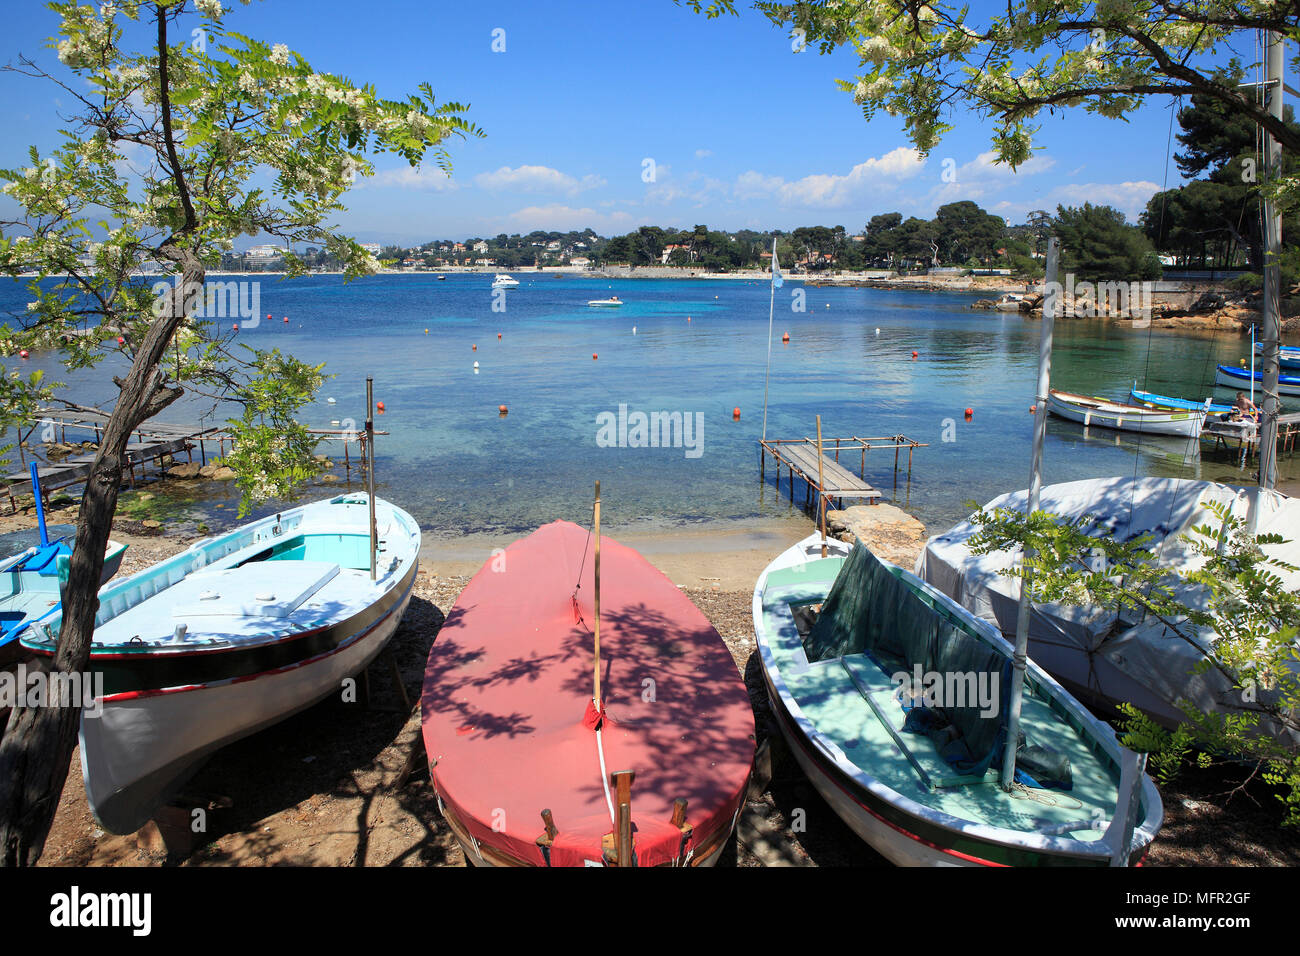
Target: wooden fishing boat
{"type": "Point", "coordinates": [30, 588]}
{"type": "Point", "coordinates": [230, 636]}
{"type": "Point", "coordinates": [1240, 379]}
{"type": "Point", "coordinates": [1090, 411]}
{"type": "Point", "coordinates": [1153, 400]}
{"type": "Point", "coordinates": [847, 641]}
{"type": "Point", "coordinates": [1288, 355]}
{"type": "Point", "coordinates": [528, 768]}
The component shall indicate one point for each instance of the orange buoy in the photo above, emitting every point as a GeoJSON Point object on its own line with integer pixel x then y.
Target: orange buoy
{"type": "Point", "coordinates": [498, 336]}
{"type": "Point", "coordinates": [785, 337]}
{"type": "Point", "coordinates": [286, 320]}
{"type": "Point", "coordinates": [593, 356]}
{"type": "Point", "coordinates": [473, 348]}
{"type": "Point", "coordinates": [235, 327]}
{"type": "Point", "coordinates": [688, 318]}
{"type": "Point", "coordinates": [503, 410]}
{"type": "Point", "coordinates": [1033, 409]}
{"type": "Point", "coordinates": [268, 317]}
{"type": "Point", "coordinates": [914, 353]}
{"type": "Point", "coordinates": [735, 413]}
{"type": "Point", "coordinates": [379, 407]}
{"type": "Point", "coordinates": [970, 413]}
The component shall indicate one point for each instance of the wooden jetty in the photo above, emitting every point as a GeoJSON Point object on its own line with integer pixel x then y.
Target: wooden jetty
{"type": "Point", "coordinates": [153, 441]}
{"type": "Point", "coordinates": [1222, 435]}
{"type": "Point", "coordinates": [836, 483]}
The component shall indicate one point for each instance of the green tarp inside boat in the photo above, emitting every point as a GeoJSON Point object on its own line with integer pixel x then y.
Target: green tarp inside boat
{"type": "Point", "coordinates": [872, 611]}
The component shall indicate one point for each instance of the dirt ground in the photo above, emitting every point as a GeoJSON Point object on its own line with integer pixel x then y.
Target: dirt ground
{"type": "Point", "coordinates": [317, 789]}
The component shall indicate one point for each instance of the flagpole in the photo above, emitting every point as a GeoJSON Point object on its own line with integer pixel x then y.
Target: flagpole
{"type": "Point", "coordinates": [771, 311]}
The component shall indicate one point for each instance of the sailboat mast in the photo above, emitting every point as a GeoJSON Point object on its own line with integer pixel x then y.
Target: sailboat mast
{"type": "Point", "coordinates": [1270, 333]}
{"type": "Point", "coordinates": [1051, 294]}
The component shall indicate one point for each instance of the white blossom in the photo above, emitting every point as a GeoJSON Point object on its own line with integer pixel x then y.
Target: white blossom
{"type": "Point", "coordinates": [280, 54]}
{"type": "Point", "coordinates": [209, 8]}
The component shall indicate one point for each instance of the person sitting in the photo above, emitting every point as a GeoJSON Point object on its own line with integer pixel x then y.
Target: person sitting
{"type": "Point", "coordinates": [1243, 409]}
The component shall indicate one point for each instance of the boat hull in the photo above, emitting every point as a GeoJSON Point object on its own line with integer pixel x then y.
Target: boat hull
{"type": "Point", "coordinates": [1100, 413]}
{"type": "Point", "coordinates": [1240, 379]}
{"type": "Point", "coordinates": [145, 746]}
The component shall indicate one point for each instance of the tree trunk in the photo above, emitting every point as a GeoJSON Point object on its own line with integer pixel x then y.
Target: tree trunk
{"type": "Point", "coordinates": [38, 741]}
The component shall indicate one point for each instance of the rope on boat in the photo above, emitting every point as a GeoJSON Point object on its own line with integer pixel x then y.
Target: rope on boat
{"type": "Point", "coordinates": [1047, 798]}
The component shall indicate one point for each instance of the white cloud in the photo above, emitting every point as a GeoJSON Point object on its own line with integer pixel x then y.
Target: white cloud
{"type": "Point", "coordinates": [404, 177]}
{"type": "Point", "coordinates": [831, 190]}
{"type": "Point", "coordinates": [561, 218]}
{"type": "Point", "coordinates": [703, 153]}
{"type": "Point", "coordinates": [536, 179]}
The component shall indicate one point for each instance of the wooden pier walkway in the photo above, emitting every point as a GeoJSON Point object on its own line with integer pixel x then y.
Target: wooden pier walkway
{"type": "Point", "coordinates": [1223, 434]}
{"type": "Point", "coordinates": [799, 456]}
{"type": "Point", "coordinates": [152, 442]}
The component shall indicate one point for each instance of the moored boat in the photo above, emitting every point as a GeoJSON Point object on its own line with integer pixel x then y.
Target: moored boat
{"type": "Point", "coordinates": [230, 636]}
{"type": "Point", "coordinates": [528, 769]}
{"type": "Point", "coordinates": [1288, 355]}
{"type": "Point", "coordinates": [1090, 411]}
{"type": "Point", "coordinates": [1139, 397]}
{"type": "Point", "coordinates": [31, 584]}
{"type": "Point", "coordinates": [504, 282]}
{"type": "Point", "coordinates": [894, 702]}
{"type": "Point", "coordinates": [612, 302]}
{"type": "Point", "coordinates": [1240, 379]}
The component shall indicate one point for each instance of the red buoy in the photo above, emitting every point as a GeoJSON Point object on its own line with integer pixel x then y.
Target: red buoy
{"type": "Point", "coordinates": [22, 354]}
{"type": "Point", "coordinates": [235, 327]}
{"type": "Point", "coordinates": [268, 317]}
{"type": "Point", "coordinates": [688, 318]}
{"type": "Point", "coordinates": [503, 410]}
{"type": "Point", "coordinates": [970, 413]}
{"type": "Point", "coordinates": [379, 407]}
{"type": "Point", "coordinates": [914, 353]}
{"type": "Point", "coordinates": [473, 348]}
{"type": "Point", "coordinates": [498, 336]}
{"type": "Point", "coordinates": [735, 413]}
{"type": "Point", "coordinates": [593, 356]}
{"type": "Point", "coordinates": [121, 340]}
{"type": "Point", "coordinates": [286, 319]}
{"type": "Point", "coordinates": [1032, 409]}
{"type": "Point", "coordinates": [785, 337]}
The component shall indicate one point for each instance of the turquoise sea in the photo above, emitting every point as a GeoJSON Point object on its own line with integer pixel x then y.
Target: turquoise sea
{"type": "Point", "coordinates": [698, 348]}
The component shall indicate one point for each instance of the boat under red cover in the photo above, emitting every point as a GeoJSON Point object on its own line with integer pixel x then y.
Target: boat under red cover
{"type": "Point", "coordinates": [508, 717]}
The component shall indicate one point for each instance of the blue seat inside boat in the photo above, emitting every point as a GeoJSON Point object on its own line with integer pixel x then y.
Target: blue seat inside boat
{"type": "Point", "coordinates": [44, 561]}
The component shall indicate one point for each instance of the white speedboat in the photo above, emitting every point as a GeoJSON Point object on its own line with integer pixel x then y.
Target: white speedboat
{"type": "Point", "coordinates": [612, 302]}
{"type": "Point", "coordinates": [228, 637]}
{"type": "Point", "coordinates": [504, 282]}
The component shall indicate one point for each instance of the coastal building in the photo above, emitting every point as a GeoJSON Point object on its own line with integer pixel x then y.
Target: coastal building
{"type": "Point", "coordinates": [264, 252]}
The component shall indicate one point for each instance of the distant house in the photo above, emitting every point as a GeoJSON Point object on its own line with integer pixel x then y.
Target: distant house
{"type": "Point", "coordinates": [264, 252]}
{"type": "Point", "coordinates": [485, 262]}
{"type": "Point", "coordinates": [458, 247]}
{"type": "Point", "coordinates": [480, 246]}
{"type": "Point", "coordinates": [553, 246]}
{"type": "Point", "coordinates": [670, 249]}
{"type": "Point", "coordinates": [581, 261]}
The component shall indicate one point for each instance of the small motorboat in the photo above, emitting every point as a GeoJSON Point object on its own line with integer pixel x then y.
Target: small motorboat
{"type": "Point", "coordinates": [532, 765]}
{"type": "Point", "coordinates": [442, 278]}
{"type": "Point", "coordinates": [31, 585]}
{"type": "Point", "coordinates": [612, 302]}
{"type": "Point", "coordinates": [230, 636]}
{"type": "Point", "coordinates": [504, 282]}
{"type": "Point", "coordinates": [1240, 379]}
{"type": "Point", "coordinates": [894, 700]}
{"type": "Point", "coordinates": [1091, 411]}
{"type": "Point", "coordinates": [1139, 397]}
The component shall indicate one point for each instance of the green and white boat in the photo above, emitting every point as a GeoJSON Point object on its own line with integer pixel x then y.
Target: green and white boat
{"type": "Point", "coordinates": [894, 701]}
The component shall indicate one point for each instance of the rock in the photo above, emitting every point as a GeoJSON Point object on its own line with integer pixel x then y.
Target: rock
{"type": "Point", "coordinates": [57, 451]}
{"type": "Point", "coordinates": [223, 473]}
{"type": "Point", "coordinates": [329, 479]}
{"type": "Point", "coordinates": [151, 524]}
{"type": "Point", "coordinates": [190, 470]}
{"type": "Point", "coordinates": [889, 531]}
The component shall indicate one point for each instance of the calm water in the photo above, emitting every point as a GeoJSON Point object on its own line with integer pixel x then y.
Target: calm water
{"type": "Point", "coordinates": [456, 465]}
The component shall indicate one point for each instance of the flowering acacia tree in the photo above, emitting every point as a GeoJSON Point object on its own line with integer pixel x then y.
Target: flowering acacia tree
{"type": "Point", "coordinates": [201, 136]}
{"type": "Point", "coordinates": [918, 60]}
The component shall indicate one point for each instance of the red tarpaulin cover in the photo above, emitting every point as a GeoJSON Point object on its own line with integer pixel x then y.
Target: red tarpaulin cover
{"type": "Point", "coordinates": [507, 693]}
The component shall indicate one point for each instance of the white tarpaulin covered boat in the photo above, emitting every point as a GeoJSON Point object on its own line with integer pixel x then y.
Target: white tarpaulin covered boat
{"type": "Point", "coordinates": [1101, 657]}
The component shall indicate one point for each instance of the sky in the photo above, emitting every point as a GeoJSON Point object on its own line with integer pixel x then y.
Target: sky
{"type": "Point", "coordinates": [742, 131]}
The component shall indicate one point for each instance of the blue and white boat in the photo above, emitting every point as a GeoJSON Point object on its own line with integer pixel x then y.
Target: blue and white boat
{"type": "Point", "coordinates": [1139, 397]}
{"type": "Point", "coordinates": [1288, 355]}
{"type": "Point", "coordinates": [1240, 378]}
{"type": "Point", "coordinates": [230, 636]}
{"type": "Point", "coordinates": [30, 588]}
